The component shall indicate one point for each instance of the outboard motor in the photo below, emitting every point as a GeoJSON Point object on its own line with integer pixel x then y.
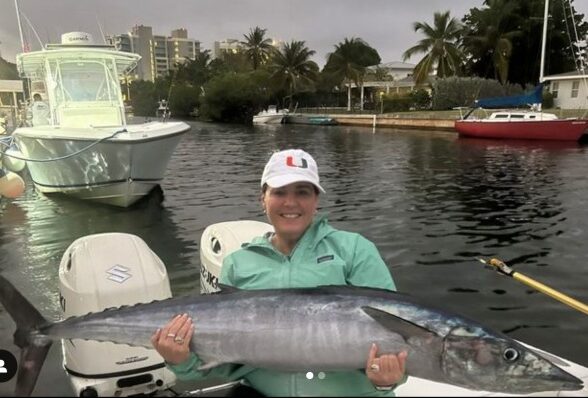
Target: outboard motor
{"type": "Point", "coordinates": [110, 270]}
{"type": "Point", "coordinates": [219, 240]}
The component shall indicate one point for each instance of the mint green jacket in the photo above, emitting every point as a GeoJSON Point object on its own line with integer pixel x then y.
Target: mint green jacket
{"type": "Point", "coordinates": [323, 256]}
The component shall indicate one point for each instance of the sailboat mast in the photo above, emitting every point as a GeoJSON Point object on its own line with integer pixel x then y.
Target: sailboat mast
{"type": "Point", "coordinates": [22, 43]}
{"type": "Point", "coordinates": [543, 42]}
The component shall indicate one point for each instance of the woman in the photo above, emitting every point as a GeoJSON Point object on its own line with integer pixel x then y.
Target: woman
{"type": "Point", "coordinates": [287, 258]}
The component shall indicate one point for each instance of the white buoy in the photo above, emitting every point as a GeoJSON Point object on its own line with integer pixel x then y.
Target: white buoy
{"type": "Point", "coordinates": [13, 163]}
{"type": "Point", "coordinates": [11, 184]}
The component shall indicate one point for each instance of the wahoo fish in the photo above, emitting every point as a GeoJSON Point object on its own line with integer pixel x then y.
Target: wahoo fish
{"type": "Point", "coordinates": [327, 328]}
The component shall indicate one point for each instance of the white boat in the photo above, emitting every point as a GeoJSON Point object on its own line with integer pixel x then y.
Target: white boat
{"type": "Point", "coordinates": [77, 140]}
{"type": "Point", "coordinates": [270, 116]}
{"type": "Point", "coordinates": [218, 240]}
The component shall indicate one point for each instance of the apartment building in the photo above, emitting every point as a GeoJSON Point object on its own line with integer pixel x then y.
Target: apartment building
{"type": "Point", "coordinates": [159, 53]}
{"type": "Point", "coordinates": [234, 46]}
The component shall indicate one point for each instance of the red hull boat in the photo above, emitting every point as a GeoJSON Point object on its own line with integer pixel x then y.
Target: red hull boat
{"type": "Point", "coordinates": [558, 130]}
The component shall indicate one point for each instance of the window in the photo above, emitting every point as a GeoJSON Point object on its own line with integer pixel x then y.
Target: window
{"type": "Point", "coordinates": [554, 89]}
{"type": "Point", "coordinates": [575, 88]}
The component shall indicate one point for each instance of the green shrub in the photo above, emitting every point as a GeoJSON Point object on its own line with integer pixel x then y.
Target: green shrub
{"type": "Point", "coordinates": [454, 91]}
{"type": "Point", "coordinates": [547, 100]}
{"type": "Point", "coordinates": [396, 103]}
{"type": "Point", "coordinates": [183, 100]}
{"type": "Point", "coordinates": [143, 98]}
{"type": "Point", "coordinates": [235, 97]}
{"type": "Point", "coordinates": [421, 99]}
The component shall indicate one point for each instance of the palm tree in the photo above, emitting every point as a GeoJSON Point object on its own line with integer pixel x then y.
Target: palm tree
{"type": "Point", "coordinates": [490, 39]}
{"type": "Point", "coordinates": [195, 71]}
{"type": "Point", "coordinates": [440, 45]}
{"type": "Point", "coordinates": [349, 62]}
{"type": "Point", "coordinates": [292, 68]}
{"type": "Point", "coordinates": [257, 47]}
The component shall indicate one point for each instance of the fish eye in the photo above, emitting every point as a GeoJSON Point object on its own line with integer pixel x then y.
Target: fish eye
{"type": "Point", "coordinates": [510, 354]}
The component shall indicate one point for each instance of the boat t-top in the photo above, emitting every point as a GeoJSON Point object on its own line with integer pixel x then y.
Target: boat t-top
{"type": "Point", "coordinates": [76, 140]}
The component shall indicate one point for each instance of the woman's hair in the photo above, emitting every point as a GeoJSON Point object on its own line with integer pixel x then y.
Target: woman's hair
{"type": "Point", "coordinates": [265, 187]}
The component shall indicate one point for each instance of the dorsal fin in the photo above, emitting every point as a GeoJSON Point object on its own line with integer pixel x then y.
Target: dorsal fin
{"type": "Point", "coordinates": [406, 329]}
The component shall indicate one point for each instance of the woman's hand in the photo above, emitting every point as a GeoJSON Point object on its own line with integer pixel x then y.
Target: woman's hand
{"type": "Point", "coordinates": [385, 370]}
{"type": "Point", "coordinates": [172, 341]}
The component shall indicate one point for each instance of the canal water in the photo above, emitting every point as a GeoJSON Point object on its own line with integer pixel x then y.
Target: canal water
{"type": "Point", "coordinates": [432, 203]}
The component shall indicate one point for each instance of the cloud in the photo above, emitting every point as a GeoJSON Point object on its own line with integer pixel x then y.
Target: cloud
{"type": "Point", "coordinates": [384, 24]}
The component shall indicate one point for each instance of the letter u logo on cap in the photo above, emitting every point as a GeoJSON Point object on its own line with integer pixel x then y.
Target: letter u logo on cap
{"type": "Point", "coordinates": [290, 162]}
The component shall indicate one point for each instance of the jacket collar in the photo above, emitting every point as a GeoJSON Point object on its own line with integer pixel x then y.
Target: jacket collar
{"type": "Point", "coordinates": [316, 231]}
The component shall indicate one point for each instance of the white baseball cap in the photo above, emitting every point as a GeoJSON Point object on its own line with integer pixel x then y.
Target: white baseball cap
{"type": "Point", "coordinates": [289, 166]}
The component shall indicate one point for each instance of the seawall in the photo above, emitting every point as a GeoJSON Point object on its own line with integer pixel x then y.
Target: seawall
{"type": "Point", "coordinates": [394, 122]}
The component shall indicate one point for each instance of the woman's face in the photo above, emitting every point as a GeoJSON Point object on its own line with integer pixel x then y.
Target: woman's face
{"type": "Point", "coordinates": [291, 208]}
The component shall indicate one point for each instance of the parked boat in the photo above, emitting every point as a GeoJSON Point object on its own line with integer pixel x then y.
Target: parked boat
{"type": "Point", "coordinates": [524, 125]}
{"type": "Point", "coordinates": [77, 140]}
{"type": "Point", "coordinates": [272, 115]}
{"type": "Point", "coordinates": [301, 118]}
{"type": "Point", "coordinates": [517, 124]}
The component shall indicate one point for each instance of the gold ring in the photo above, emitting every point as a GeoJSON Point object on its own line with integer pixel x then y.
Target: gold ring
{"type": "Point", "coordinates": [171, 335]}
{"type": "Point", "coordinates": [179, 340]}
{"type": "Point", "coordinates": [374, 367]}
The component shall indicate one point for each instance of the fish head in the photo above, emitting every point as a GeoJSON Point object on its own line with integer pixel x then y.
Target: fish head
{"type": "Point", "coordinates": [481, 360]}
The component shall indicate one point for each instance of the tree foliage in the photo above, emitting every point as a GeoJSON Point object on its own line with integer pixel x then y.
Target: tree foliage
{"type": "Point", "coordinates": [456, 91]}
{"type": "Point", "coordinates": [8, 70]}
{"type": "Point", "coordinates": [257, 47]}
{"type": "Point", "coordinates": [440, 46]}
{"type": "Point", "coordinates": [293, 70]}
{"type": "Point", "coordinates": [502, 39]}
{"type": "Point", "coordinates": [235, 97]}
{"type": "Point", "coordinates": [349, 61]}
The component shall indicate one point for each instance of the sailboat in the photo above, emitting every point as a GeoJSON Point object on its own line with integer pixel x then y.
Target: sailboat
{"type": "Point", "coordinates": [522, 124]}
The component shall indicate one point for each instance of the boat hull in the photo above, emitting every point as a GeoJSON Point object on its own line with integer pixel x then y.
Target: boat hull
{"type": "Point", "coordinates": [268, 119]}
{"type": "Point", "coordinates": [557, 130]}
{"type": "Point", "coordinates": [116, 171]}
{"type": "Point", "coordinates": [317, 120]}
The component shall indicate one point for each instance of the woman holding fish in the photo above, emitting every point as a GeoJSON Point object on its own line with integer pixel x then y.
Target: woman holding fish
{"type": "Point", "coordinates": [303, 251]}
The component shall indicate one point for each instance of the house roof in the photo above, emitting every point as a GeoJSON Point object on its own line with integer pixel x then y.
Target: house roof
{"type": "Point", "coordinates": [567, 76]}
{"type": "Point", "coordinates": [396, 65]}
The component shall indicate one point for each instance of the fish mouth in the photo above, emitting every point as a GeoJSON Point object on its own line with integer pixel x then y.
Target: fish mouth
{"type": "Point", "coordinates": [569, 382]}
{"type": "Point", "coordinates": [566, 380]}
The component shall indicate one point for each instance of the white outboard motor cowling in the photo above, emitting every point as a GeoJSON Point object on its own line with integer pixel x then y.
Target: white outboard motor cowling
{"type": "Point", "coordinates": [220, 239]}
{"type": "Point", "coordinates": [110, 270]}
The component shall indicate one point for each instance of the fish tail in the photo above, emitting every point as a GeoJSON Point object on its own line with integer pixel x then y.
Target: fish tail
{"type": "Point", "coordinates": [33, 348]}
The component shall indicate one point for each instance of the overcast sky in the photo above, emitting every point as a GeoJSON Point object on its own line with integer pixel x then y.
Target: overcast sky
{"type": "Point", "coordinates": [386, 25]}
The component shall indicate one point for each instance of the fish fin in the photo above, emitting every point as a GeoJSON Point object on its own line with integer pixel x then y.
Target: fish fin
{"type": "Point", "coordinates": [406, 329]}
{"type": "Point", "coordinates": [33, 349]}
{"type": "Point", "coordinates": [31, 362]}
{"type": "Point", "coordinates": [227, 288]}
{"type": "Point", "coordinates": [209, 365]}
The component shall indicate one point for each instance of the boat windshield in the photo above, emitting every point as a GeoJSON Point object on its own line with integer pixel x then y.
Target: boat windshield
{"type": "Point", "coordinates": [83, 80]}
{"type": "Point", "coordinates": [84, 91]}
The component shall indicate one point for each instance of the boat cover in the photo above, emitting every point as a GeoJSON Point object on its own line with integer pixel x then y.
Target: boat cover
{"type": "Point", "coordinates": [533, 97]}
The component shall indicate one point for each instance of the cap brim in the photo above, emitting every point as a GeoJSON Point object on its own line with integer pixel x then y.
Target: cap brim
{"type": "Point", "coordinates": [282, 181]}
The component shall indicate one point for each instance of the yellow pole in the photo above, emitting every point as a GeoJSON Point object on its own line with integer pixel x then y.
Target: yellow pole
{"type": "Point", "coordinates": [503, 268]}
